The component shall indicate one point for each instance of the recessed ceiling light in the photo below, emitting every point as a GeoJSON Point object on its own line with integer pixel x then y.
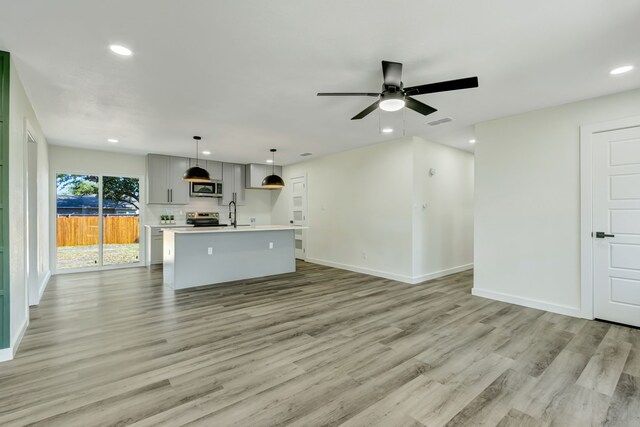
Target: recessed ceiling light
{"type": "Point", "coordinates": [113, 140]}
{"type": "Point", "coordinates": [120, 50]}
{"type": "Point", "coordinates": [206, 152]}
{"type": "Point", "coordinates": [269, 160]}
{"type": "Point", "coordinates": [387, 130]}
{"type": "Point", "coordinates": [472, 141]}
{"type": "Point", "coordinates": [621, 70]}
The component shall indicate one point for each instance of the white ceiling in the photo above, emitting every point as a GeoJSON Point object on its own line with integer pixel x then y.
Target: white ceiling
{"type": "Point", "coordinates": [244, 74]}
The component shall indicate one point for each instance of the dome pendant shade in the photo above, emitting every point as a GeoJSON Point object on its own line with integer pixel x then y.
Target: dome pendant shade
{"type": "Point", "coordinates": [196, 174]}
{"type": "Point", "coordinates": [273, 180]}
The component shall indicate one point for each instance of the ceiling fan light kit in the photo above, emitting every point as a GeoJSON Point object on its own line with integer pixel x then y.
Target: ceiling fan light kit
{"type": "Point", "coordinates": [392, 101]}
{"type": "Point", "coordinates": [196, 173]}
{"type": "Point", "coordinates": [273, 181]}
{"type": "Point", "coordinates": [395, 96]}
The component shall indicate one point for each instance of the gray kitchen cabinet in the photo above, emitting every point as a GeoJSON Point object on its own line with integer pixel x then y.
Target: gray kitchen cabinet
{"type": "Point", "coordinates": [164, 180]}
{"type": "Point", "coordinates": [213, 167]}
{"type": "Point", "coordinates": [255, 173]}
{"type": "Point", "coordinates": [154, 245]}
{"type": "Point", "coordinates": [154, 242]}
{"type": "Point", "coordinates": [233, 177]}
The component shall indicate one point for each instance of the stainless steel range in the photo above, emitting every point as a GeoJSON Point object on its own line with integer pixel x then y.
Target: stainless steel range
{"type": "Point", "coordinates": [204, 219]}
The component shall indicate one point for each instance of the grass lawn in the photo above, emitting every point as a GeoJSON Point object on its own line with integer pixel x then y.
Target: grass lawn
{"type": "Point", "coordinates": [87, 256]}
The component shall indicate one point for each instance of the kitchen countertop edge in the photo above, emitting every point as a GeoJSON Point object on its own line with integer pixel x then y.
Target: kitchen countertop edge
{"type": "Point", "coordinates": [236, 230]}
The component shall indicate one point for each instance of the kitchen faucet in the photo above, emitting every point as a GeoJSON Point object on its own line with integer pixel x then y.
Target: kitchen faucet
{"type": "Point", "coordinates": [235, 214]}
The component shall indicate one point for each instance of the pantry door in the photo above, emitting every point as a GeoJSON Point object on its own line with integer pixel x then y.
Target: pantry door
{"type": "Point", "coordinates": [298, 187]}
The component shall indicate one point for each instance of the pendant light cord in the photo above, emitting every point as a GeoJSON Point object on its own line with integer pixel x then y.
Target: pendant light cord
{"type": "Point", "coordinates": [197, 138]}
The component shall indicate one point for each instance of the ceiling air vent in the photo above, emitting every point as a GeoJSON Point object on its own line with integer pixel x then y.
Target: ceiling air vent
{"type": "Point", "coordinates": [440, 121]}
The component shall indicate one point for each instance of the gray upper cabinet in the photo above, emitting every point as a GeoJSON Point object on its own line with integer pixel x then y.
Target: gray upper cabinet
{"type": "Point", "coordinates": [164, 180]}
{"type": "Point", "coordinates": [255, 173]}
{"type": "Point", "coordinates": [233, 184]}
{"type": "Point", "coordinates": [213, 167]}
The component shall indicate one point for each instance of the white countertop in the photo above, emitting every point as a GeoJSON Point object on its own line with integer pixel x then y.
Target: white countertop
{"type": "Point", "coordinates": [229, 229]}
{"type": "Point", "coordinates": [168, 225]}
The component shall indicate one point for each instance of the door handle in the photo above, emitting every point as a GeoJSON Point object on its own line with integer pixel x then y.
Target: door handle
{"type": "Point", "coordinates": [601, 235]}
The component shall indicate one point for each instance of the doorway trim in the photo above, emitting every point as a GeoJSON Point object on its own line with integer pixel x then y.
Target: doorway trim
{"type": "Point", "coordinates": [586, 205]}
{"type": "Point", "coordinates": [34, 285]}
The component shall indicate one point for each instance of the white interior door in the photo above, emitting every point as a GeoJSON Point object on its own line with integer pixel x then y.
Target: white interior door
{"type": "Point", "coordinates": [299, 213]}
{"type": "Point", "coordinates": [616, 214]}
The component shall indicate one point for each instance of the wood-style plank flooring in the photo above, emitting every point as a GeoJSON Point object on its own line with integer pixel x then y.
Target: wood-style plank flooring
{"type": "Point", "coordinates": [317, 347]}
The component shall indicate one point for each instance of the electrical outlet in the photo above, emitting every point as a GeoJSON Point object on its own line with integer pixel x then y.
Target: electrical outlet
{"type": "Point", "coordinates": [209, 251]}
{"type": "Point", "coordinates": [270, 245]}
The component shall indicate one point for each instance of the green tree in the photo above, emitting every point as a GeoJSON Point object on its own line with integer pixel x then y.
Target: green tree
{"type": "Point", "coordinates": [119, 189]}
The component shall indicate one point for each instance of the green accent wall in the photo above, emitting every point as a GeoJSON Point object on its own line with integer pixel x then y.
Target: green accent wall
{"type": "Point", "coordinates": [5, 329]}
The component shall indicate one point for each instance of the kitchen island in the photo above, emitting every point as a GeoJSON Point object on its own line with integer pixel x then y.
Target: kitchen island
{"type": "Point", "coordinates": [207, 255]}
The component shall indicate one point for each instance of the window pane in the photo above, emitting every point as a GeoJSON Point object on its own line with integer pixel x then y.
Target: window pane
{"type": "Point", "coordinates": [76, 221]}
{"type": "Point", "coordinates": [120, 220]}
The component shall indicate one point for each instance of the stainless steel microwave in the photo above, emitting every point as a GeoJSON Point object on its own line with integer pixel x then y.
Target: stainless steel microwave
{"type": "Point", "coordinates": [206, 189]}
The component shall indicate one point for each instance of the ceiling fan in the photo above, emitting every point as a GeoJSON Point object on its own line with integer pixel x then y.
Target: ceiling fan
{"type": "Point", "coordinates": [394, 95]}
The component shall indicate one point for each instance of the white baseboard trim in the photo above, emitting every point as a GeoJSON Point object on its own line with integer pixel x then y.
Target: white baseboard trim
{"type": "Point", "coordinates": [44, 284]}
{"type": "Point", "coordinates": [526, 302]}
{"type": "Point", "coordinates": [392, 276]}
{"type": "Point", "coordinates": [41, 288]}
{"type": "Point", "coordinates": [363, 270]}
{"type": "Point", "coordinates": [8, 353]}
{"type": "Point", "coordinates": [442, 273]}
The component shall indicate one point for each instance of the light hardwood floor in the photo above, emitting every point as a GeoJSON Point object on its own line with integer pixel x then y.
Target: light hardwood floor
{"type": "Point", "coordinates": [317, 347]}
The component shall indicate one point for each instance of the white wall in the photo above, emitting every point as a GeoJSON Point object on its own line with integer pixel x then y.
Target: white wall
{"type": "Point", "coordinates": [527, 213]}
{"type": "Point", "coordinates": [363, 212]}
{"type": "Point", "coordinates": [359, 208]}
{"type": "Point", "coordinates": [21, 118]}
{"type": "Point", "coordinates": [443, 209]}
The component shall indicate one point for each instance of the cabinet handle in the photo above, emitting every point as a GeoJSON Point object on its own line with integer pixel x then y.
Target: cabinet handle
{"type": "Point", "coordinates": [171, 195]}
{"type": "Point", "coordinates": [168, 196]}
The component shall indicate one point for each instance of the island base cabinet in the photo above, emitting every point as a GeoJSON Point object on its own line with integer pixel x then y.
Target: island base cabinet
{"type": "Point", "coordinates": [198, 259]}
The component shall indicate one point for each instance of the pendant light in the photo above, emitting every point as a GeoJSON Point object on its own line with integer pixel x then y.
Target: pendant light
{"type": "Point", "coordinates": [196, 173]}
{"type": "Point", "coordinates": [273, 180]}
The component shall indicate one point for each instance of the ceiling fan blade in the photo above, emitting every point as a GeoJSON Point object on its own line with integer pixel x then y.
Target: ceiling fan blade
{"type": "Point", "coordinates": [465, 83]}
{"type": "Point", "coordinates": [392, 73]}
{"type": "Point", "coordinates": [348, 94]}
{"type": "Point", "coordinates": [366, 111]}
{"type": "Point", "coordinates": [418, 106]}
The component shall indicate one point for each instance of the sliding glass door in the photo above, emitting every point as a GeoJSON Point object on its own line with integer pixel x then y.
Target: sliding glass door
{"type": "Point", "coordinates": [97, 221]}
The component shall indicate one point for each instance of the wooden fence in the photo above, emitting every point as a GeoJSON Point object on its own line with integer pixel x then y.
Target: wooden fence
{"type": "Point", "coordinates": [83, 230]}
